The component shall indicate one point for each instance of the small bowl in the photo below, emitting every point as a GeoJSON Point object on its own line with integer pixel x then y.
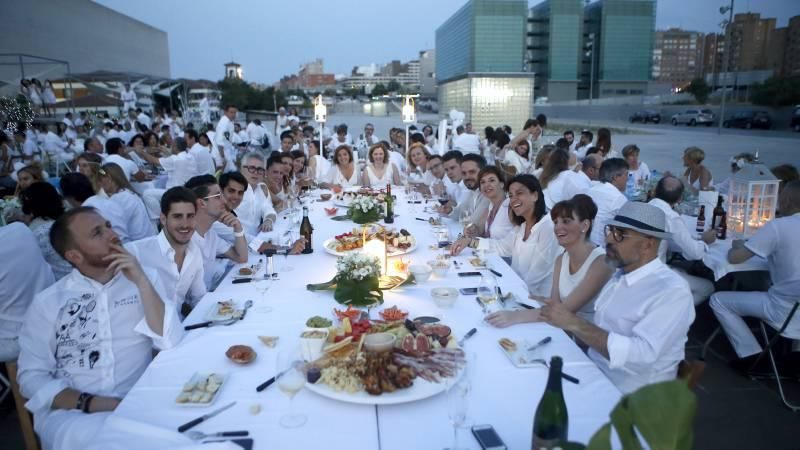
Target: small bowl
{"type": "Point", "coordinates": [444, 297]}
{"type": "Point", "coordinates": [241, 354]}
{"type": "Point", "coordinates": [379, 342]}
{"type": "Point", "coordinates": [331, 211]}
{"type": "Point", "coordinates": [311, 344]}
{"type": "Point", "coordinates": [421, 272]}
{"type": "Point", "coordinates": [325, 196]}
{"type": "Point", "coordinates": [440, 267]}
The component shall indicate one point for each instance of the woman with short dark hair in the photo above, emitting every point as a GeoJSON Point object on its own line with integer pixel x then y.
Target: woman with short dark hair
{"type": "Point", "coordinates": [42, 205]}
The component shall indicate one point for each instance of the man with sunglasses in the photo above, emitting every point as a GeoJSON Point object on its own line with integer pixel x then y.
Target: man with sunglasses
{"type": "Point", "coordinates": [608, 195]}
{"type": "Point", "coordinates": [255, 210]}
{"type": "Point", "coordinates": [642, 315]}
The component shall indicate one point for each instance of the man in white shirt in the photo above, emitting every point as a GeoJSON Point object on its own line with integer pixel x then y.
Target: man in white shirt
{"type": "Point", "coordinates": [70, 132]}
{"type": "Point", "coordinates": [211, 208]}
{"type": "Point", "coordinates": [474, 204]}
{"type": "Point", "coordinates": [24, 273]}
{"type": "Point", "coordinates": [88, 338]}
{"type": "Point", "coordinates": [29, 148]}
{"type": "Point", "coordinates": [117, 153]}
{"type": "Point", "coordinates": [172, 254]}
{"type": "Point", "coordinates": [57, 145]}
{"type": "Point", "coordinates": [642, 316]}
{"type": "Point", "coordinates": [777, 242]}
{"type": "Point", "coordinates": [583, 144]}
{"type": "Point", "coordinates": [143, 118]}
{"type": "Point", "coordinates": [584, 178]}
{"type": "Point", "coordinates": [366, 141]}
{"type": "Point", "coordinates": [255, 133]}
{"type": "Point", "coordinates": [257, 210]}
{"type": "Point", "coordinates": [608, 196]}
{"type": "Point", "coordinates": [77, 191]}
{"type": "Point", "coordinates": [466, 142]}
{"type": "Point", "coordinates": [281, 120]}
{"type": "Point", "coordinates": [203, 161]}
{"type": "Point", "coordinates": [668, 193]}
{"type": "Point", "coordinates": [128, 97]}
{"type": "Point", "coordinates": [179, 166]}
{"type": "Point", "coordinates": [451, 161]}
{"type": "Point", "coordinates": [340, 138]}
{"type": "Point", "coordinates": [223, 136]}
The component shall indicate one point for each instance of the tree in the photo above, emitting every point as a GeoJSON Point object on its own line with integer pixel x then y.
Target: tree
{"type": "Point", "coordinates": [777, 91]}
{"type": "Point", "coordinates": [700, 89]}
{"type": "Point", "coordinates": [379, 89]}
{"type": "Point", "coordinates": [244, 96]}
{"type": "Point", "coordinates": [393, 86]}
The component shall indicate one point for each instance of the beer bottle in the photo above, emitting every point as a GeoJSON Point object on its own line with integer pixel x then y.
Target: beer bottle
{"type": "Point", "coordinates": [550, 422]}
{"type": "Point", "coordinates": [701, 219]}
{"type": "Point", "coordinates": [717, 213]}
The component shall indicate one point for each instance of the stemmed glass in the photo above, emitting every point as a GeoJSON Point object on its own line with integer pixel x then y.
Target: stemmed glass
{"type": "Point", "coordinates": [287, 248]}
{"type": "Point", "coordinates": [458, 400]}
{"type": "Point", "coordinates": [466, 222]}
{"type": "Point", "coordinates": [290, 383]}
{"type": "Point", "coordinates": [487, 294]}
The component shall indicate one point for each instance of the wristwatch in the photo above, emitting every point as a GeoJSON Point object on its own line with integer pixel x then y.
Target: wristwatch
{"type": "Point", "coordinates": [84, 401]}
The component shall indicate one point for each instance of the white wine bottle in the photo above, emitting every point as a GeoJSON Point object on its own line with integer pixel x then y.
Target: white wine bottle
{"type": "Point", "coordinates": [550, 423]}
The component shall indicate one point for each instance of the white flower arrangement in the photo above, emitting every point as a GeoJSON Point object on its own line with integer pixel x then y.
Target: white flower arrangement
{"type": "Point", "coordinates": [364, 203]}
{"type": "Point", "coordinates": [358, 266]}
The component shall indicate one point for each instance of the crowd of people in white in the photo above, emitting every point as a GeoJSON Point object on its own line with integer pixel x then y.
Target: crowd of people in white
{"type": "Point", "coordinates": [106, 262]}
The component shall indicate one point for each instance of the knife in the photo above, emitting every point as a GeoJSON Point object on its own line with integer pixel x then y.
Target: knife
{"type": "Point", "coordinates": [201, 419]}
{"type": "Point", "coordinates": [267, 383]}
{"type": "Point", "coordinates": [247, 305]}
{"type": "Point", "coordinates": [467, 336]}
{"type": "Point", "coordinates": [539, 344]}
{"type": "Point", "coordinates": [210, 323]}
{"type": "Point", "coordinates": [496, 273]}
{"type": "Point", "coordinates": [247, 280]}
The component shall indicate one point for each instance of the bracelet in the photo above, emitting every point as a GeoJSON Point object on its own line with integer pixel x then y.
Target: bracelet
{"type": "Point", "coordinates": [82, 399]}
{"type": "Point", "coordinates": [88, 404]}
{"type": "Point", "coordinates": [238, 234]}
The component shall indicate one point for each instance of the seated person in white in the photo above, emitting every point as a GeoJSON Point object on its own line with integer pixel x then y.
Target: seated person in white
{"type": "Point", "coordinates": [24, 273]}
{"type": "Point", "coordinates": [118, 154]}
{"type": "Point", "coordinates": [41, 206]}
{"type": "Point", "coordinates": [344, 173]}
{"type": "Point", "coordinates": [636, 168]}
{"type": "Point", "coordinates": [301, 174]}
{"type": "Point", "coordinates": [642, 315]}
{"type": "Point", "coordinates": [172, 253]}
{"type": "Point", "coordinates": [116, 185]}
{"type": "Point", "coordinates": [519, 157]}
{"type": "Point", "coordinates": [211, 208]}
{"type": "Point", "coordinates": [586, 176]}
{"type": "Point", "coordinates": [417, 164]}
{"type": "Point", "coordinates": [341, 138]}
{"type": "Point", "coordinates": [498, 220]}
{"type": "Point", "coordinates": [777, 242]}
{"type": "Point", "coordinates": [256, 211]}
{"type": "Point", "coordinates": [88, 338]}
{"type": "Point", "coordinates": [467, 141]}
{"type": "Point", "coordinates": [579, 273]}
{"type": "Point", "coordinates": [380, 171]}
{"type": "Point", "coordinates": [203, 161]}
{"type": "Point", "coordinates": [608, 196]}
{"type": "Point", "coordinates": [472, 206]}
{"type": "Point", "coordinates": [532, 244]}
{"type": "Point", "coordinates": [77, 191]}
{"type": "Point", "coordinates": [58, 145]}
{"type": "Point", "coordinates": [451, 161]}
{"type": "Point", "coordinates": [435, 179]}
{"type": "Point", "coordinates": [318, 164]}
{"type": "Point", "coordinates": [556, 176]}
{"type": "Point", "coordinates": [179, 166]}
{"type": "Point", "coordinates": [668, 193]}
{"type": "Point", "coordinates": [278, 179]}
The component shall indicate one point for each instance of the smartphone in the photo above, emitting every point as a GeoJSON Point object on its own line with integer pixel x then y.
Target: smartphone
{"type": "Point", "coordinates": [469, 274]}
{"type": "Point", "coordinates": [468, 291]}
{"type": "Point", "coordinates": [488, 438]}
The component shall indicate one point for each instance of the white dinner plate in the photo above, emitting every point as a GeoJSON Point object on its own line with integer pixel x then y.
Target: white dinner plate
{"type": "Point", "coordinates": [214, 315]}
{"type": "Point", "coordinates": [214, 397]}
{"type": "Point", "coordinates": [421, 389]}
{"type": "Point", "coordinates": [329, 242]}
{"type": "Point", "coordinates": [521, 357]}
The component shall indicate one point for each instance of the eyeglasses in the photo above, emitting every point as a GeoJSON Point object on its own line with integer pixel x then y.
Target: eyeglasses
{"type": "Point", "coordinates": [218, 194]}
{"type": "Point", "coordinates": [254, 169]}
{"type": "Point", "coordinates": [616, 233]}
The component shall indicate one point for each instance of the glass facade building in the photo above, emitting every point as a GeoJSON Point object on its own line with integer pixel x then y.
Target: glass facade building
{"type": "Point", "coordinates": [490, 99]}
{"type": "Point", "coordinates": [554, 47]}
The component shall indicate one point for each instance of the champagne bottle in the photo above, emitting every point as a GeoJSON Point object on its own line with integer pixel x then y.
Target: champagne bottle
{"type": "Point", "coordinates": [306, 231]}
{"type": "Point", "coordinates": [550, 422]}
{"type": "Point", "coordinates": [389, 205]}
{"type": "Point", "coordinates": [701, 219]}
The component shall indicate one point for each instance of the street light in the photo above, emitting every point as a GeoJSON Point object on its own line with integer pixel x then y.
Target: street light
{"type": "Point", "coordinates": [725, 56]}
{"type": "Point", "coordinates": [320, 116]}
{"type": "Point", "coordinates": [409, 114]}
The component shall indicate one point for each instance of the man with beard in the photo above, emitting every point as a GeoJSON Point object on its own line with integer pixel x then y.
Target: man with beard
{"type": "Point", "coordinates": [172, 253]}
{"type": "Point", "coordinates": [87, 339]}
{"type": "Point", "coordinates": [643, 314]}
{"type": "Point", "coordinates": [473, 204]}
{"type": "Point", "coordinates": [211, 208]}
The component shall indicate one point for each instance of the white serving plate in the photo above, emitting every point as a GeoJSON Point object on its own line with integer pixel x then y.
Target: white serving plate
{"type": "Point", "coordinates": [520, 357]}
{"type": "Point", "coordinates": [328, 243]}
{"type": "Point", "coordinates": [214, 397]}
{"type": "Point", "coordinates": [213, 314]}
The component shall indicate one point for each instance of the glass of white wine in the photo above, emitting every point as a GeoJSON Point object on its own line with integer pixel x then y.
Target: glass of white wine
{"type": "Point", "coordinates": [292, 380]}
{"type": "Point", "coordinates": [457, 407]}
{"type": "Point", "coordinates": [487, 294]}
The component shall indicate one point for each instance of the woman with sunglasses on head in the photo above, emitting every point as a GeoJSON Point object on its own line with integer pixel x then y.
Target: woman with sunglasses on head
{"type": "Point", "coordinates": [344, 173]}
{"type": "Point", "coordinates": [579, 273]}
{"type": "Point", "coordinates": [531, 244]}
{"type": "Point", "coordinates": [116, 185]}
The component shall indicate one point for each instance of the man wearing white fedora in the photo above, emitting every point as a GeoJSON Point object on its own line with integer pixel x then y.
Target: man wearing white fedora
{"type": "Point", "coordinates": [642, 316]}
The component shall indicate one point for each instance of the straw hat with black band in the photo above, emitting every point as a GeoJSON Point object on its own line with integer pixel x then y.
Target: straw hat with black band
{"type": "Point", "coordinates": [642, 218]}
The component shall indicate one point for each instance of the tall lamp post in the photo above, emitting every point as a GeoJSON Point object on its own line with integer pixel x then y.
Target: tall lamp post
{"type": "Point", "coordinates": [320, 116]}
{"type": "Point", "coordinates": [409, 115]}
{"type": "Point", "coordinates": [725, 63]}
{"type": "Point", "coordinates": [590, 47]}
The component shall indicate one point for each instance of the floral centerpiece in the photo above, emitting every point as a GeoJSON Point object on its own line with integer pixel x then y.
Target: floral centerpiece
{"type": "Point", "coordinates": [357, 280]}
{"type": "Point", "coordinates": [364, 209]}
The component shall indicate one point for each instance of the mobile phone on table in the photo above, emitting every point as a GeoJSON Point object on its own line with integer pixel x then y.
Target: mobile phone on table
{"type": "Point", "coordinates": [488, 438]}
{"type": "Point", "coordinates": [469, 274]}
{"type": "Point", "coordinates": [468, 291]}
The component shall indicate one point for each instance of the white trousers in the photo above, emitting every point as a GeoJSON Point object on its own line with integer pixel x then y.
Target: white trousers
{"type": "Point", "coordinates": [9, 349]}
{"type": "Point", "coordinates": [68, 429]}
{"type": "Point", "coordinates": [701, 288]}
{"type": "Point", "coordinates": [731, 307]}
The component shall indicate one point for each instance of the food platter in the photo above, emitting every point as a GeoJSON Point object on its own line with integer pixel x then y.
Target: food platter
{"type": "Point", "coordinates": [329, 243]}
{"type": "Point", "coordinates": [516, 352]}
{"type": "Point", "coordinates": [224, 310]}
{"type": "Point", "coordinates": [201, 390]}
{"type": "Point", "coordinates": [398, 242]}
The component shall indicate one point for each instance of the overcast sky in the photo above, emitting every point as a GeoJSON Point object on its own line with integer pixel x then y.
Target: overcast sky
{"type": "Point", "coordinates": [272, 38]}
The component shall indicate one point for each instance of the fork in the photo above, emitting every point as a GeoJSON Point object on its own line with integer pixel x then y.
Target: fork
{"type": "Point", "coordinates": [198, 435]}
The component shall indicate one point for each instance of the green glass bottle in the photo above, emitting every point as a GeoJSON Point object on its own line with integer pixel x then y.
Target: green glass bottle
{"type": "Point", "coordinates": [550, 423]}
{"type": "Point", "coordinates": [389, 205]}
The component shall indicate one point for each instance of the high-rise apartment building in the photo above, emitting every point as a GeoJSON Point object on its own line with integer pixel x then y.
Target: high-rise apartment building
{"type": "Point", "coordinates": [677, 56]}
{"type": "Point", "coordinates": [791, 57]}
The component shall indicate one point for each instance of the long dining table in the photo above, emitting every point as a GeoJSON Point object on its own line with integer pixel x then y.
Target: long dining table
{"type": "Point", "coordinates": [501, 394]}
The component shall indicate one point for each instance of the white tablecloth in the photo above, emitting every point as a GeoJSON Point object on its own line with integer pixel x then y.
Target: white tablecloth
{"type": "Point", "coordinates": [502, 395]}
{"type": "Point", "coordinates": [716, 258]}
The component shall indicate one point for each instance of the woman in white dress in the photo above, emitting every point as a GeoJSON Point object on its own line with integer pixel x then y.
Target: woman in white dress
{"type": "Point", "coordinates": [532, 245]}
{"type": "Point", "coordinates": [430, 137]}
{"type": "Point", "coordinates": [696, 176]}
{"type": "Point", "coordinates": [519, 157]}
{"type": "Point", "coordinates": [49, 98]}
{"type": "Point", "coordinates": [344, 173]}
{"type": "Point", "coordinates": [555, 177]}
{"type": "Point", "coordinates": [636, 168]}
{"type": "Point", "coordinates": [380, 171]}
{"type": "Point", "coordinates": [42, 205]}
{"type": "Point", "coordinates": [318, 164]}
{"type": "Point", "coordinates": [417, 162]}
{"type": "Point", "coordinates": [492, 186]}
{"type": "Point", "coordinates": [115, 183]}
{"type": "Point", "coordinates": [35, 94]}
{"type": "Point", "coordinates": [579, 273]}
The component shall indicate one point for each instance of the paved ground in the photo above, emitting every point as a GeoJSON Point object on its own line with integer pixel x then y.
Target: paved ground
{"type": "Point", "coordinates": [734, 412]}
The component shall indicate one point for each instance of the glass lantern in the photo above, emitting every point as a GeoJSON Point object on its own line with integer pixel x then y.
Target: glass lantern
{"type": "Point", "coordinates": [752, 199]}
{"type": "Point", "coordinates": [408, 113]}
{"type": "Point", "coordinates": [320, 111]}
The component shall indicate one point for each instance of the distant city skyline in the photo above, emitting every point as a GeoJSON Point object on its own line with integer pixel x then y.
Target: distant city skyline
{"type": "Point", "coordinates": [271, 40]}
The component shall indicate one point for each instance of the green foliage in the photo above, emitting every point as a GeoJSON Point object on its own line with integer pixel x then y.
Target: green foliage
{"type": "Point", "coordinates": [700, 89]}
{"type": "Point", "coordinates": [379, 89]}
{"type": "Point", "coordinates": [777, 91]}
{"type": "Point", "coordinates": [244, 96]}
{"type": "Point", "coordinates": [365, 292]}
{"type": "Point", "coordinates": [662, 413]}
{"type": "Point", "coordinates": [393, 86]}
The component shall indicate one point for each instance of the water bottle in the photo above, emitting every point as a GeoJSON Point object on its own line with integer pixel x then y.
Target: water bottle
{"type": "Point", "coordinates": [630, 187]}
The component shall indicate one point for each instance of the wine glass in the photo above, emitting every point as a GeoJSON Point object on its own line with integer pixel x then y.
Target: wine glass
{"type": "Point", "coordinates": [487, 294]}
{"type": "Point", "coordinates": [458, 405]}
{"type": "Point", "coordinates": [286, 249]}
{"type": "Point", "coordinates": [291, 380]}
{"type": "Point", "coordinates": [466, 222]}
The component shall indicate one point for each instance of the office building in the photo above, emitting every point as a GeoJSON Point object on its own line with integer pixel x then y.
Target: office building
{"type": "Point", "coordinates": [427, 73]}
{"type": "Point", "coordinates": [554, 48]}
{"type": "Point", "coordinates": [677, 57]}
